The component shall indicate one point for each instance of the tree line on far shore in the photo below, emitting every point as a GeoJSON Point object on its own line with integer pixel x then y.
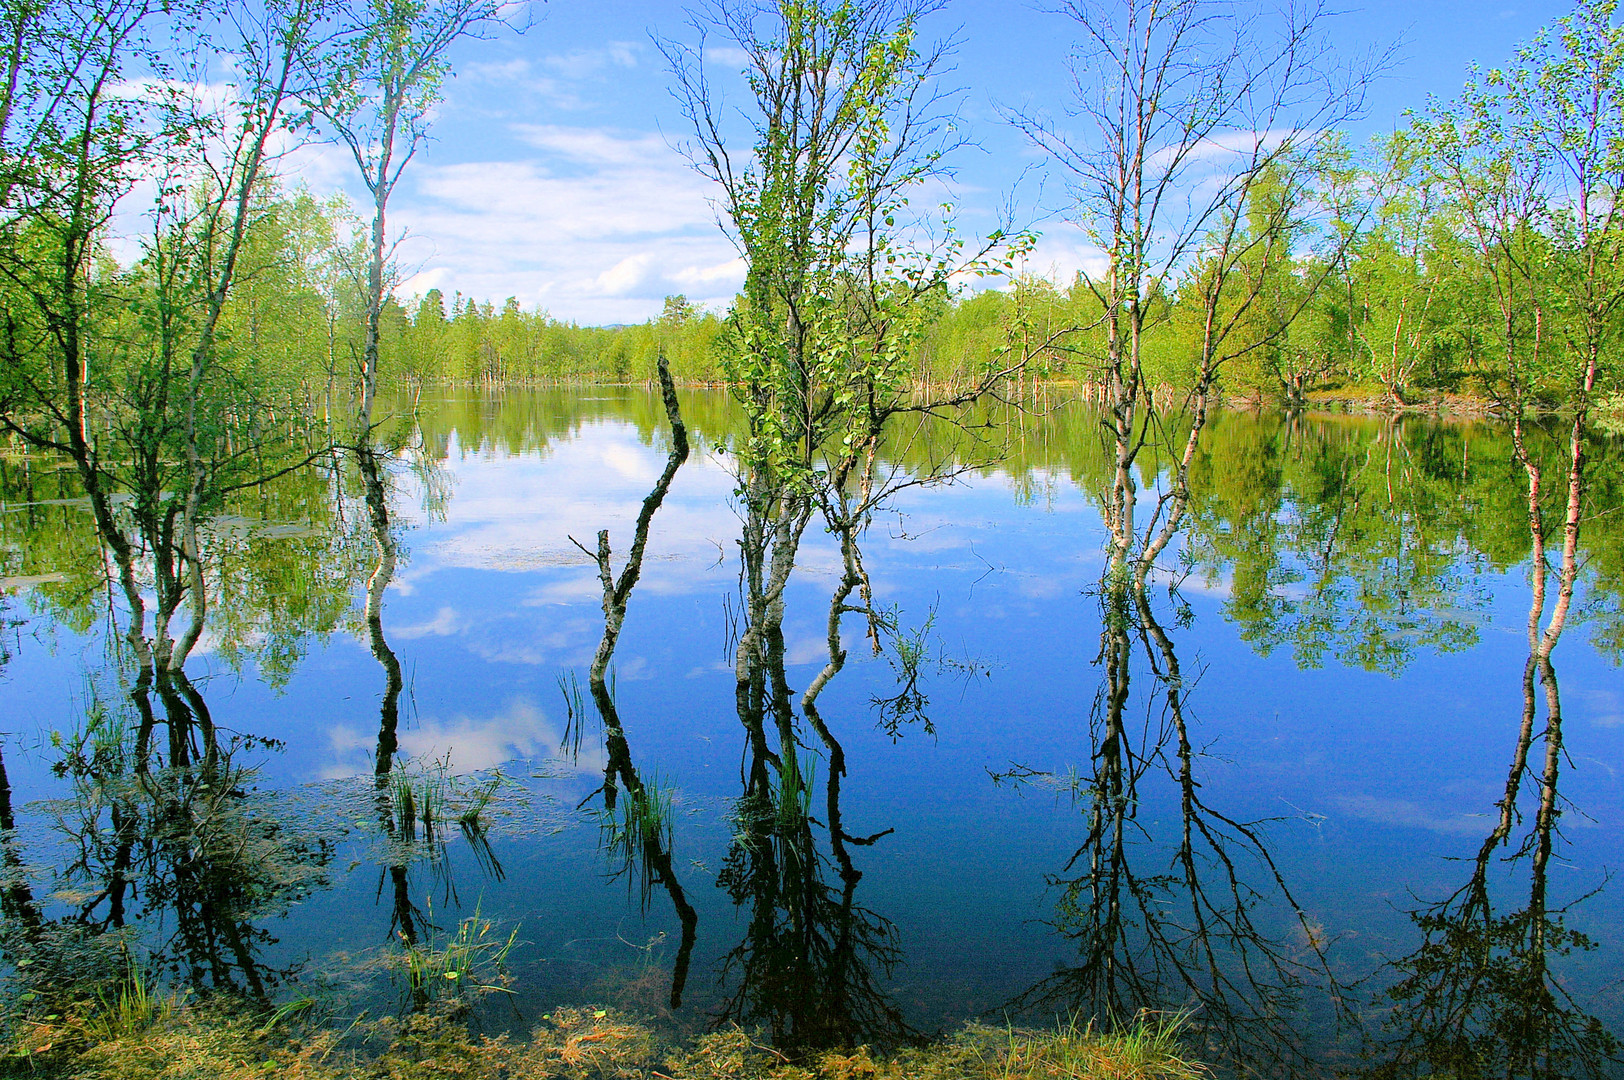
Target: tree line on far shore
{"type": "Point", "coordinates": [1391, 300]}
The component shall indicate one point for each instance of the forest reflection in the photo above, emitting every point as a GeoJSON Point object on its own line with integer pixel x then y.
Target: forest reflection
{"type": "Point", "coordinates": [169, 853]}
{"type": "Point", "coordinates": [164, 848]}
{"type": "Point", "coordinates": [1478, 996]}
{"type": "Point", "coordinates": [1363, 543]}
{"type": "Point", "coordinates": [1363, 539]}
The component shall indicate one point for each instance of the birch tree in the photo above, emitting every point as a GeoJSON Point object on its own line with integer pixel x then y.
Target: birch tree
{"type": "Point", "coordinates": [378, 102]}
{"type": "Point", "coordinates": [120, 371]}
{"type": "Point", "coordinates": [1179, 110]}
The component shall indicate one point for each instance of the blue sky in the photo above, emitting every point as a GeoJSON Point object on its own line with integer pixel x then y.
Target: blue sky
{"type": "Point", "coordinates": [551, 177]}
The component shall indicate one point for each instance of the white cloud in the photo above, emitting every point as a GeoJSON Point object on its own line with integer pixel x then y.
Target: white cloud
{"type": "Point", "coordinates": [595, 146]}
{"type": "Point", "coordinates": [582, 63]}
{"type": "Point", "coordinates": [1606, 708]}
{"type": "Point", "coordinates": [498, 71]}
{"type": "Point", "coordinates": [516, 200]}
{"type": "Point", "coordinates": [473, 743]}
{"type": "Point", "coordinates": [561, 80]}
{"type": "Point", "coordinates": [731, 272]}
{"type": "Point", "coordinates": [600, 229]}
{"type": "Point", "coordinates": [1061, 252]}
{"type": "Point", "coordinates": [625, 276]}
{"type": "Point", "coordinates": [730, 56]}
{"type": "Point", "coordinates": [1411, 815]}
{"type": "Point", "coordinates": [420, 283]}
{"type": "Point", "coordinates": [445, 623]}
{"type": "Point", "coordinates": [1223, 148]}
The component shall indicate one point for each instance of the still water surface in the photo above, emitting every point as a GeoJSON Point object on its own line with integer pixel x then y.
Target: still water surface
{"type": "Point", "coordinates": [1268, 789]}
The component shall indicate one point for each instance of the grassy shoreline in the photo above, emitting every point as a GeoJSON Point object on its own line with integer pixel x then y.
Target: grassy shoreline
{"type": "Point", "coordinates": [168, 1042]}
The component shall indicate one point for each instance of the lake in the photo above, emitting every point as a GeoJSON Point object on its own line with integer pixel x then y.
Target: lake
{"type": "Point", "coordinates": [1312, 784]}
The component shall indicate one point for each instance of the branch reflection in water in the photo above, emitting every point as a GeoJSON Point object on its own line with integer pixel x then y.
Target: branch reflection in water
{"type": "Point", "coordinates": [636, 829]}
{"type": "Point", "coordinates": [172, 863]}
{"type": "Point", "coordinates": [1344, 543]}
{"type": "Point", "coordinates": [1479, 996]}
{"type": "Point", "coordinates": [414, 802]}
{"type": "Point", "coordinates": [1199, 919]}
{"type": "Point", "coordinates": [171, 869]}
{"type": "Point", "coordinates": [813, 959]}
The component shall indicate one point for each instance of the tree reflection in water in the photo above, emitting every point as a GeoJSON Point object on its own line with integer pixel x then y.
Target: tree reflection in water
{"type": "Point", "coordinates": [404, 914]}
{"type": "Point", "coordinates": [189, 851]}
{"type": "Point", "coordinates": [1478, 997]}
{"type": "Point", "coordinates": [168, 850]}
{"type": "Point", "coordinates": [810, 963]}
{"type": "Point", "coordinates": [812, 959]}
{"type": "Point", "coordinates": [636, 815]}
{"type": "Point", "coordinates": [1364, 544]}
{"type": "Point", "coordinates": [1199, 921]}
{"type": "Point", "coordinates": [412, 833]}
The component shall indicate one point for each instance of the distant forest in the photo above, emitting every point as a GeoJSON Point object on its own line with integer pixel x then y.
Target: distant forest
{"type": "Point", "coordinates": [1404, 311]}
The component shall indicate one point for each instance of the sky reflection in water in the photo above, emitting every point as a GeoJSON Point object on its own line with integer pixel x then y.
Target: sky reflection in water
{"type": "Point", "coordinates": [1350, 699]}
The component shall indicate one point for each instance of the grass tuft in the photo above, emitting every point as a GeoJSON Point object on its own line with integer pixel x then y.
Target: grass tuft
{"type": "Point", "coordinates": [205, 1042]}
{"type": "Point", "coordinates": [468, 964]}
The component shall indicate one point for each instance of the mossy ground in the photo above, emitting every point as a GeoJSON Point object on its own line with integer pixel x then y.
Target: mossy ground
{"type": "Point", "coordinates": [202, 1043]}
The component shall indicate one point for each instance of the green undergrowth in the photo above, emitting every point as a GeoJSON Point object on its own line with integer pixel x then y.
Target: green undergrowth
{"type": "Point", "coordinates": [174, 1041]}
{"type": "Point", "coordinates": [1610, 414]}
